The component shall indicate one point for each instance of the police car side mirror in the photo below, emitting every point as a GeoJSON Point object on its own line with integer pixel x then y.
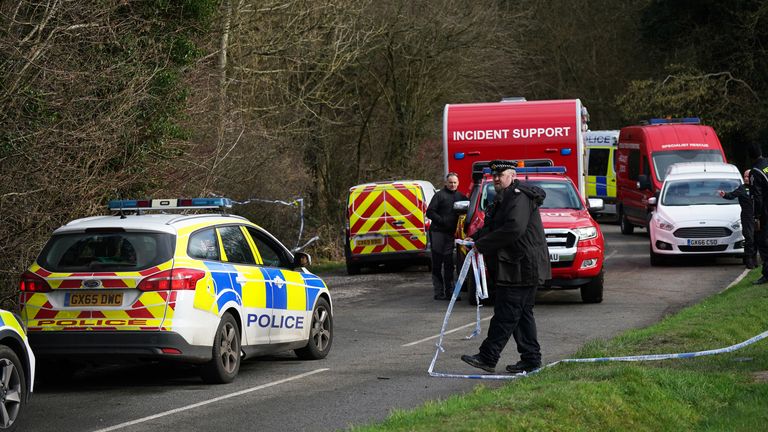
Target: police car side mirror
{"type": "Point", "coordinates": [461, 207]}
{"type": "Point", "coordinates": [596, 204]}
{"type": "Point", "coordinates": [301, 259]}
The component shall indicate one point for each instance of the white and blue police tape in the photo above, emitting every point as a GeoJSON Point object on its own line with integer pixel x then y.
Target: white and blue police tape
{"type": "Point", "coordinates": [297, 202]}
{"type": "Point", "coordinates": [477, 263]}
{"type": "Point", "coordinates": [475, 260]}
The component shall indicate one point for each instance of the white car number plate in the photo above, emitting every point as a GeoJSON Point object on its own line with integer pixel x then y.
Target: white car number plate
{"type": "Point", "coordinates": [553, 257]}
{"type": "Point", "coordinates": [702, 242]}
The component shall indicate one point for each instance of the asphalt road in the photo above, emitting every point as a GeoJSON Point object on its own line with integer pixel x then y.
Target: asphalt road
{"type": "Point", "coordinates": [386, 325]}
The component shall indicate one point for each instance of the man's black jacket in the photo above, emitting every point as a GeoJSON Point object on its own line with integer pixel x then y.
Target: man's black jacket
{"type": "Point", "coordinates": [744, 194]}
{"type": "Point", "coordinates": [512, 238]}
{"type": "Point", "coordinates": [758, 179]}
{"type": "Point", "coordinates": [440, 210]}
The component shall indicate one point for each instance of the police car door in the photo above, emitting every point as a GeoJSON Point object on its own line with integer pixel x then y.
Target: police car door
{"type": "Point", "coordinates": [288, 300]}
{"type": "Point", "coordinates": [248, 291]}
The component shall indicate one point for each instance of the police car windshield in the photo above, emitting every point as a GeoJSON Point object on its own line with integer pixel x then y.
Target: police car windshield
{"type": "Point", "coordinates": [106, 251]}
{"type": "Point", "coordinates": [698, 192]}
{"type": "Point", "coordinates": [560, 194]}
{"type": "Point", "coordinates": [662, 160]}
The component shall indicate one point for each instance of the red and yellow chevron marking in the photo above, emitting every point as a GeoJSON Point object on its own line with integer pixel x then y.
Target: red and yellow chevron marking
{"type": "Point", "coordinates": [386, 218]}
{"type": "Point", "coordinates": [150, 311]}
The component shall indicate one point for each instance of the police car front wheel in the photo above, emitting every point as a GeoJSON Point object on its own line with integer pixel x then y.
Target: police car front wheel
{"type": "Point", "coordinates": [225, 363]}
{"type": "Point", "coordinates": [12, 388]}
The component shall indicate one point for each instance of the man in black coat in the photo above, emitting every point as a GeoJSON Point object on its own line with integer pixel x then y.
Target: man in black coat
{"type": "Point", "coordinates": [513, 242]}
{"type": "Point", "coordinates": [441, 232]}
{"type": "Point", "coordinates": [759, 180]}
{"type": "Point", "coordinates": [744, 194]}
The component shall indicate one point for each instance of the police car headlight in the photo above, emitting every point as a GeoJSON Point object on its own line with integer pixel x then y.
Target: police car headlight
{"type": "Point", "coordinates": [663, 223]}
{"type": "Point", "coordinates": [586, 233]}
{"type": "Point", "coordinates": [736, 225]}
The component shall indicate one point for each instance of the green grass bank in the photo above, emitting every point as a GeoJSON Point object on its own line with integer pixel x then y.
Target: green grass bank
{"type": "Point", "coordinates": [725, 392]}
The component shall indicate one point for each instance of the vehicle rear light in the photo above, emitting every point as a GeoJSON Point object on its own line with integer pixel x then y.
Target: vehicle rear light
{"type": "Point", "coordinates": [31, 282]}
{"type": "Point", "coordinates": [174, 279]}
{"type": "Point", "coordinates": [170, 351]}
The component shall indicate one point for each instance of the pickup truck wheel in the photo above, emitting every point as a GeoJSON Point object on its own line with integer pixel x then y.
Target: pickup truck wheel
{"type": "Point", "coordinates": [626, 227]}
{"type": "Point", "coordinates": [592, 291]}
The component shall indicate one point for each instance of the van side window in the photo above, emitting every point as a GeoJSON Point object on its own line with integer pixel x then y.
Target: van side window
{"type": "Point", "coordinates": [236, 247]}
{"type": "Point", "coordinates": [271, 255]}
{"type": "Point", "coordinates": [633, 164]}
{"type": "Point", "coordinates": [598, 162]}
{"type": "Point", "coordinates": [646, 167]}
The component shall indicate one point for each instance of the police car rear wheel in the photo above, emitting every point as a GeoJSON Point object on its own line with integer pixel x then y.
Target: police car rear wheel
{"type": "Point", "coordinates": [225, 363]}
{"type": "Point", "coordinates": [12, 388]}
{"type": "Point", "coordinates": [320, 333]}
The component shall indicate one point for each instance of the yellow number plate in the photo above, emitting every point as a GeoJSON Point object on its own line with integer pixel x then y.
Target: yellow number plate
{"type": "Point", "coordinates": [369, 241]}
{"type": "Point", "coordinates": [91, 298]}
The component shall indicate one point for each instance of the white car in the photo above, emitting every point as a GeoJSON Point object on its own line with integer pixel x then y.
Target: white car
{"type": "Point", "coordinates": [690, 216]}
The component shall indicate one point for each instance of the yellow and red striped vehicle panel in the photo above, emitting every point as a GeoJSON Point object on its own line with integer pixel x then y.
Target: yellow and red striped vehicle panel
{"type": "Point", "coordinates": [386, 217]}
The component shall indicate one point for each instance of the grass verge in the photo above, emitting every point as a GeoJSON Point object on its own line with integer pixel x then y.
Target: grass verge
{"type": "Point", "coordinates": [725, 392]}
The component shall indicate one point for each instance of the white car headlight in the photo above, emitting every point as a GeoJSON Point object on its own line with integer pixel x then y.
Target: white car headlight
{"type": "Point", "coordinates": [586, 233]}
{"type": "Point", "coordinates": [663, 223]}
{"type": "Point", "coordinates": [736, 225]}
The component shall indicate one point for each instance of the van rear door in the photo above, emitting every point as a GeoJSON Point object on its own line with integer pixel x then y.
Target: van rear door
{"type": "Point", "coordinates": [386, 218]}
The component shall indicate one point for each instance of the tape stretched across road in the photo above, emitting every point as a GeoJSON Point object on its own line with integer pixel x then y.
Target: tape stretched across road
{"type": "Point", "coordinates": [475, 261]}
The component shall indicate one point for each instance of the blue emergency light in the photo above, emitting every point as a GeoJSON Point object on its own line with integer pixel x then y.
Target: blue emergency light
{"type": "Point", "coordinates": [170, 204]}
{"type": "Point", "coordinates": [541, 170]}
{"type": "Point", "coordinates": [683, 120]}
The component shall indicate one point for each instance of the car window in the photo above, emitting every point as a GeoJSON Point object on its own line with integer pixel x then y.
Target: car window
{"type": "Point", "coordinates": [560, 194]}
{"type": "Point", "coordinates": [698, 192]}
{"type": "Point", "coordinates": [106, 251]}
{"type": "Point", "coordinates": [236, 247]}
{"type": "Point", "coordinates": [272, 254]}
{"type": "Point", "coordinates": [662, 160]}
{"type": "Point", "coordinates": [598, 161]}
{"type": "Point", "coordinates": [203, 245]}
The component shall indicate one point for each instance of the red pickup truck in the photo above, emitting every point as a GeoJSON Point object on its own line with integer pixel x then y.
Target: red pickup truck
{"type": "Point", "coordinates": [576, 244]}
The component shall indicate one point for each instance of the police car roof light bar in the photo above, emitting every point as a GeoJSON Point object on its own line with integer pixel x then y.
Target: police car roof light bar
{"type": "Point", "coordinates": [170, 204]}
{"type": "Point", "coordinates": [682, 120]}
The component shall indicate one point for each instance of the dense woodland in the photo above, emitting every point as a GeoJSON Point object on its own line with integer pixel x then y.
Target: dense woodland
{"type": "Point", "coordinates": [286, 99]}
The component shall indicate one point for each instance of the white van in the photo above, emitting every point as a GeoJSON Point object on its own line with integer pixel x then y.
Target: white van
{"type": "Point", "coordinates": [691, 218]}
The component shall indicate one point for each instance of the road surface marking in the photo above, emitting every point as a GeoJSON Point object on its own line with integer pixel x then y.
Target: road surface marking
{"type": "Point", "coordinates": [210, 401]}
{"type": "Point", "coordinates": [448, 332]}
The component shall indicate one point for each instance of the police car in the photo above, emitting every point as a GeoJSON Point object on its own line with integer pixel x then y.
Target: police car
{"type": "Point", "coordinates": [209, 289]}
{"type": "Point", "coordinates": [17, 370]}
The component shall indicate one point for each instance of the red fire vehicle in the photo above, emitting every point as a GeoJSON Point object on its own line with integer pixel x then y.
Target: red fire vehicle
{"type": "Point", "coordinates": [536, 134]}
{"type": "Point", "coordinates": [543, 133]}
{"type": "Point", "coordinates": [644, 154]}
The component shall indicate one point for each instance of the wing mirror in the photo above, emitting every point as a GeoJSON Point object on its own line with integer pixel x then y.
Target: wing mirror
{"type": "Point", "coordinates": [301, 259]}
{"type": "Point", "coordinates": [596, 204]}
{"type": "Point", "coordinates": [461, 207]}
{"type": "Point", "coordinates": [644, 182]}
{"type": "Point", "coordinates": [652, 201]}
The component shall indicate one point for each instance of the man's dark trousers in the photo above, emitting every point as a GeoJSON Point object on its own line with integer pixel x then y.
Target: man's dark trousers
{"type": "Point", "coordinates": [512, 316]}
{"type": "Point", "coordinates": [748, 231]}
{"type": "Point", "coordinates": [442, 263]}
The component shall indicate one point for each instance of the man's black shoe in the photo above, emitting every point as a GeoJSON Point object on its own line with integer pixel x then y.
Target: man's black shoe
{"type": "Point", "coordinates": [521, 367]}
{"type": "Point", "coordinates": [440, 297]}
{"type": "Point", "coordinates": [476, 361]}
{"type": "Point", "coordinates": [760, 281]}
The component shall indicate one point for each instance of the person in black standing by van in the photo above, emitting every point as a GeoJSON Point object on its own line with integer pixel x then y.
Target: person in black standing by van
{"type": "Point", "coordinates": [744, 194]}
{"type": "Point", "coordinates": [441, 230]}
{"type": "Point", "coordinates": [758, 178]}
{"type": "Point", "coordinates": [514, 245]}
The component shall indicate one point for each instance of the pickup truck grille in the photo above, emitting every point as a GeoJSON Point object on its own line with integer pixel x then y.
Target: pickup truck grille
{"type": "Point", "coordinates": [560, 239]}
{"type": "Point", "coordinates": [703, 232]}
